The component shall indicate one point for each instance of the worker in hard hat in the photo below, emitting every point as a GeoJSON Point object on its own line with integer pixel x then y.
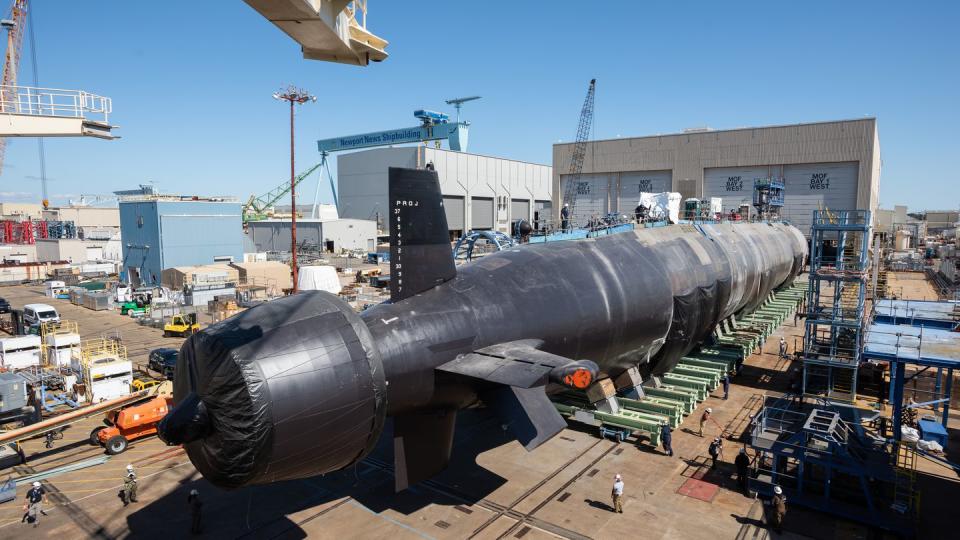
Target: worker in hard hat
{"type": "Point", "coordinates": [617, 494]}
{"type": "Point", "coordinates": [196, 506]}
{"type": "Point", "coordinates": [666, 437]}
{"type": "Point", "coordinates": [640, 213]}
{"type": "Point", "coordinates": [33, 505]}
{"type": "Point", "coordinates": [565, 217]}
{"type": "Point", "coordinates": [779, 504]}
{"type": "Point", "coordinates": [129, 492]}
{"type": "Point", "coordinates": [703, 419]}
{"type": "Point", "coordinates": [716, 451]}
{"type": "Point", "coordinates": [783, 348]}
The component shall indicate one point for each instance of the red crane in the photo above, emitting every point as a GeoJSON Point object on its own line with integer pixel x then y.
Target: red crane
{"type": "Point", "coordinates": [15, 26]}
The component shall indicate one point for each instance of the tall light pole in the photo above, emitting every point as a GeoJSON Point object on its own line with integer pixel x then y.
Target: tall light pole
{"type": "Point", "coordinates": [293, 95]}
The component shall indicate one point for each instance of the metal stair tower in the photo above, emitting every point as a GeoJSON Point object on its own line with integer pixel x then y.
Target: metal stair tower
{"type": "Point", "coordinates": [833, 337]}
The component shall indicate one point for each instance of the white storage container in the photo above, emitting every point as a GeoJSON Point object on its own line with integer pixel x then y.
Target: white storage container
{"type": "Point", "coordinates": [20, 352]}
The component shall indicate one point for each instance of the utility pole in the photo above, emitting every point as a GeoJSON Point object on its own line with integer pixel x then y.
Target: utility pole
{"type": "Point", "coordinates": [293, 95]}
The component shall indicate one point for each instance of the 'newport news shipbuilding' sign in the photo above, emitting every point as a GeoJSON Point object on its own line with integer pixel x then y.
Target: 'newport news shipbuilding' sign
{"type": "Point", "coordinates": [385, 138]}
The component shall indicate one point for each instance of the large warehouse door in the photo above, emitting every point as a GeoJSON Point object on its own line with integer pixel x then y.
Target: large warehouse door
{"type": "Point", "coordinates": [453, 208]}
{"type": "Point", "coordinates": [593, 197]}
{"type": "Point", "coordinates": [811, 187]}
{"type": "Point", "coordinates": [481, 213]}
{"type": "Point", "coordinates": [519, 209]}
{"type": "Point", "coordinates": [734, 184]}
{"type": "Point", "coordinates": [632, 184]}
{"type": "Point", "coordinates": [542, 214]}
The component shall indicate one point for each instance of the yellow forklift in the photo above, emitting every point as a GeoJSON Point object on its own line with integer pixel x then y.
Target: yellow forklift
{"type": "Point", "coordinates": [182, 324]}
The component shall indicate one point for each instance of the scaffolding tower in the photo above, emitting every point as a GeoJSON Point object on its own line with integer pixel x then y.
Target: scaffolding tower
{"type": "Point", "coordinates": [768, 197]}
{"type": "Point", "coordinates": [833, 334]}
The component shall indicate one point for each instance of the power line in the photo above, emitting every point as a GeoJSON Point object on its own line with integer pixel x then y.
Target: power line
{"type": "Point", "coordinates": [36, 82]}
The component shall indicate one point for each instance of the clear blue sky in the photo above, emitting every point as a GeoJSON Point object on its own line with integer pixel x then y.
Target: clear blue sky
{"type": "Point", "coordinates": [191, 83]}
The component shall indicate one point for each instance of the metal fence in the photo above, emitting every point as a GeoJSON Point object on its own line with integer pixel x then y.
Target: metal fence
{"type": "Point", "coordinates": [54, 102]}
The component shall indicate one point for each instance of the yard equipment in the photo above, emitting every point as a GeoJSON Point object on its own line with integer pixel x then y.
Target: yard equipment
{"type": "Point", "coordinates": [133, 308]}
{"type": "Point", "coordinates": [132, 422]}
{"type": "Point", "coordinates": [181, 325]}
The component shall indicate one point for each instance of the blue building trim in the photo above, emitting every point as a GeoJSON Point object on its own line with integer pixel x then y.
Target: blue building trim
{"type": "Point", "coordinates": [164, 234]}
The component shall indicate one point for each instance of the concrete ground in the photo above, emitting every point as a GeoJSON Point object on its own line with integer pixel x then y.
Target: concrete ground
{"type": "Point", "coordinates": [910, 286]}
{"type": "Point", "coordinates": [493, 488]}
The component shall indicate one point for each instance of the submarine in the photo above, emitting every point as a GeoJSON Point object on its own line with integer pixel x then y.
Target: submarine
{"type": "Point", "coordinates": [302, 385]}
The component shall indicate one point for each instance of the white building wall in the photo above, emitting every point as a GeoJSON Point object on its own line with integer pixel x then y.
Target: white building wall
{"type": "Point", "coordinates": [362, 182]}
{"type": "Point", "coordinates": [351, 234]}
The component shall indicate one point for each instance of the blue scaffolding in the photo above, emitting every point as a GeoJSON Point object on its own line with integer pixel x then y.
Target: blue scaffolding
{"type": "Point", "coordinates": [925, 348]}
{"type": "Point", "coordinates": [824, 451]}
{"type": "Point", "coordinates": [768, 197]}
{"type": "Point", "coordinates": [824, 457]}
{"type": "Point", "coordinates": [836, 296]}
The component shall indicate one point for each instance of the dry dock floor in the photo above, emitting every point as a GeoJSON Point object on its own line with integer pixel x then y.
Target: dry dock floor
{"type": "Point", "coordinates": [493, 488]}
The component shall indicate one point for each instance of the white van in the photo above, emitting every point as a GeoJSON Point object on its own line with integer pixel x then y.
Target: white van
{"type": "Point", "coordinates": [37, 314]}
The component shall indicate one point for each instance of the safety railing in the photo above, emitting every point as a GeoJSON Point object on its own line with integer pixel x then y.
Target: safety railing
{"type": "Point", "coordinates": [857, 219]}
{"type": "Point", "coordinates": [55, 102]}
{"type": "Point", "coordinates": [98, 348]}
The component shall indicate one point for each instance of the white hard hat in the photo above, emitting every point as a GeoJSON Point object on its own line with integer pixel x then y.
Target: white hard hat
{"type": "Point", "coordinates": [777, 490]}
{"type": "Point", "coordinates": [194, 492]}
{"type": "Point", "coordinates": [709, 410]}
{"type": "Point", "coordinates": [36, 484]}
{"type": "Point", "coordinates": [129, 467]}
{"type": "Point", "coordinates": [617, 477]}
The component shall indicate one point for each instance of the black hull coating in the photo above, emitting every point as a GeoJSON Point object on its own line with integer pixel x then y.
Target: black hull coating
{"type": "Point", "coordinates": [300, 386]}
{"type": "Point", "coordinates": [614, 300]}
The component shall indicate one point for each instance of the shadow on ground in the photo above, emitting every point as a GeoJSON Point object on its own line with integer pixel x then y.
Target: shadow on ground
{"type": "Point", "coordinates": [265, 511]}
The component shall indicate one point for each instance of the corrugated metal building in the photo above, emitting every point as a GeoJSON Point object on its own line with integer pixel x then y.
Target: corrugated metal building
{"type": "Point", "coordinates": [834, 164]}
{"type": "Point", "coordinates": [940, 220]}
{"type": "Point", "coordinates": [331, 236]}
{"type": "Point", "coordinates": [160, 234]}
{"type": "Point", "coordinates": [479, 192]}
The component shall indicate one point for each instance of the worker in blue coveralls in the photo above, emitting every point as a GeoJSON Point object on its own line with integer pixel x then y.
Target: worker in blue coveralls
{"type": "Point", "coordinates": [666, 437]}
{"type": "Point", "coordinates": [726, 385]}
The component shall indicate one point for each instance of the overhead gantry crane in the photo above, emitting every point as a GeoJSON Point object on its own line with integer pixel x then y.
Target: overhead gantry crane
{"type": "Point", "coordinates": [327, 30]}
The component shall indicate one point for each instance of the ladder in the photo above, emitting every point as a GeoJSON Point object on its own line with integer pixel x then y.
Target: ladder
{"type": "Point", "coordinates": [906, 498]}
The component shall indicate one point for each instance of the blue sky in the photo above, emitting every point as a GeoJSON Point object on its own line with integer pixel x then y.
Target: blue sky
{"type": "Point", "coordinates": [191, 83]}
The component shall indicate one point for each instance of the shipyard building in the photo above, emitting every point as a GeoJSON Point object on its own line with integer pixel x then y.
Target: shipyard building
{"type": "Point", "coordinates": [833, 165]}
{"type": "Point", "coordinates": [479, 192]}
{"type": "Point", "coordinates": [160, 234]}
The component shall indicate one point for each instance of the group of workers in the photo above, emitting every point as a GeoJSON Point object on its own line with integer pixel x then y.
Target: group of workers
{"type": "Point", "coordinates": [641, 215]}
{"type": "Point", "coordinates": [715, 450]}
{"type": "Point", "coordinates": [33, 504]}
{"type": "Point", "coordinates": [778, 502]}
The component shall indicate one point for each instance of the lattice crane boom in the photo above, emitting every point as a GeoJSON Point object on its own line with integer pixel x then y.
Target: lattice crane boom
{"type": "Point", "coordinates": [256, 207]}
{"type": "Point", "coordinates": [579, 149]}
{"type": "Point", "coordinates": [14, 25]}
